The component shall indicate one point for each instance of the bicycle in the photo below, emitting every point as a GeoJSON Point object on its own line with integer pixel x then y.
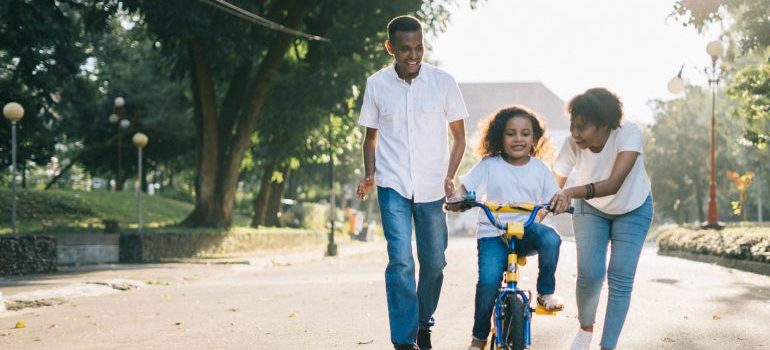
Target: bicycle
{"type": "Point", "coordinates": [512, 311]}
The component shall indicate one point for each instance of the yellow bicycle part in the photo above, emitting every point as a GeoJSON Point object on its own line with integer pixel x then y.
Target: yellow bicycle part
{"type": "Point", "coordinates": [512, 275]}
{"type": "Point", "coordinates": [514, 230]}
{"type": "Point", "coordinates": [512, 207]}
{"type": "Point", "coordinates": [541, 310]}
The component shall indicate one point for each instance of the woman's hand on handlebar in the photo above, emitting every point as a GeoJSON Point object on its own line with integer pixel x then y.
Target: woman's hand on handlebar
{"type": "Point", "coordinates": [560, 202]}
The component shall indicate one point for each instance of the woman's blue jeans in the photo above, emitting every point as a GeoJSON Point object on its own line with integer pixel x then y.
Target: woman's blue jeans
{"type": "Point", "coordinates": [411, 307]}
{"type": "Point", "coordinates": [625, 234]}
{"type": "Point", "coordinates": [493, 261]}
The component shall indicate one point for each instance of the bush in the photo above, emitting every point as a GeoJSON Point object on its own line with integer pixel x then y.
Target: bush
{"type": "Point", "coordinates": [743, 243]}
{"type": "Point", "coordinates": [312, 216]}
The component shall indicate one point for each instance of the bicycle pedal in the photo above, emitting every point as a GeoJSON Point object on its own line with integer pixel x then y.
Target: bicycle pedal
{"type": "Point", "coordinates": [541, 310]}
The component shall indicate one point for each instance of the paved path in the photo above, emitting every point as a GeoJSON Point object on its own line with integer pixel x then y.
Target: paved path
{"type": "Point", "coordinates": [304, 301]}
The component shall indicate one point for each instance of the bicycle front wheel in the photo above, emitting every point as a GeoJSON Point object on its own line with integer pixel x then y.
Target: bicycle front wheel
{"type": "Point", "coordinates": [514, 319]}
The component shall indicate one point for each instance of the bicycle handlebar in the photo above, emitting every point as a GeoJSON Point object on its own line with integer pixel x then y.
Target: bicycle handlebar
{"type": "Point", "coordinates": [469, 201]}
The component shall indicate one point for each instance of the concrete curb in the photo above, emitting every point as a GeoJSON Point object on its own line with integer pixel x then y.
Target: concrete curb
{"type": "Point", "coordinates": [743, 265]}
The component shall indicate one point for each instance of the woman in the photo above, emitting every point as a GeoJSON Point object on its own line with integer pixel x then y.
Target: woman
{"type": "Point", "coordinates": [613, 204]}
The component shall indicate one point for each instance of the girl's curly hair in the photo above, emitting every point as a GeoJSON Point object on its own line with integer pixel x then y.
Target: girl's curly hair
{"type": "Point", "coordinates": [492, 133]}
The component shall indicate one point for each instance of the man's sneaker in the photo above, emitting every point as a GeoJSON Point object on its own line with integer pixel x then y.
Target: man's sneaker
{"type": "Point", "coordinates": [551, 302]}
{"type": "Point", "coordinates": [423, 339]}
{"type": "Point", "coordinates": [407, 347]}
{"type": "Point", "coordinates": [477, 344]}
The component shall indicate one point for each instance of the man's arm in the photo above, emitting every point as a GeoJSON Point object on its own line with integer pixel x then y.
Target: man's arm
{"type": "Point", "coordinates": [369, 146]}
{"type": "Point", "coordinates": [457, 129]}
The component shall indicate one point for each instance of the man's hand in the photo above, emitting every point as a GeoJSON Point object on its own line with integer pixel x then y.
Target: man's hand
{"type": "Point", "coordinates": [449, 187]}
{"type": "Point", "coordinates": [364, 187]}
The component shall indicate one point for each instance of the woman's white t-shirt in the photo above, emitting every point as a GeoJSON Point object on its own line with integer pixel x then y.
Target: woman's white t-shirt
{"type": "Point", "coordinates": [594, 167]}
{"type": "Point", "coordinates": [494, 179]}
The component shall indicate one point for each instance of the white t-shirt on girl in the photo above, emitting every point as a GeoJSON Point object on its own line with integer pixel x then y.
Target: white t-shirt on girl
{"type": "Point", "coordinates": [494, 179]}
{"type": "Point", "coordinates": [595, 167]}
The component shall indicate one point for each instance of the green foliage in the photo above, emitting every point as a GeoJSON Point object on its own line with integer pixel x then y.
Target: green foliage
{"type": "Point", "coordinates": [750, 20]}
{"type": "Point", "coordinates": [127, 63]}
{"type": "Point", "coordinates": [751, 89]}
{"type": "Point", "coordinates": [42, 46]}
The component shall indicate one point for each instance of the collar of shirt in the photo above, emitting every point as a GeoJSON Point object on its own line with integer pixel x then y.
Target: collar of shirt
{"type": "Point", "coordinates": [421, 75]}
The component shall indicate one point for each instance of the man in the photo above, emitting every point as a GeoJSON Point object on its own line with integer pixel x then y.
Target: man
{"type": "Point", "coordinates": [406, 109]}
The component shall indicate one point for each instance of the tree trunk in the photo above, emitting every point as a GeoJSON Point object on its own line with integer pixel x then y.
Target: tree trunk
{"type": "Point", "coordinates": [23, 175]}
{"type": "Point", "coordinates": [260, 201]}
{"type": "Point", "coordinates": [274, 200]}
{"type": "Point", "coordinates": [207, 205]}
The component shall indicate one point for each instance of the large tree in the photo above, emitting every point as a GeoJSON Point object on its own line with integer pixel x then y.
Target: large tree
{"type": "Point", "coordinates": [232, 65]}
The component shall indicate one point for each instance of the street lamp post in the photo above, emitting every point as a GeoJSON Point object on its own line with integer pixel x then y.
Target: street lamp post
{"type": "Point", "coordinates": [715, 50]}
{"type": "Point", "coordinates": [331, 248]}
{"type": "Point", "coordinates": [13, 112]}
{"type": "Point", "coordinates": [140, 140]}
{"type": "Point", "coordinates": [118, 116]}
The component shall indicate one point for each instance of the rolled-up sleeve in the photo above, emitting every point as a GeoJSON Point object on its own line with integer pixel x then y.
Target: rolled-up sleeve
{"type": "Point", "coordinates": [454, 108]}
{"type": "Point", "coordinates": [630, 138]}
{"type": "Point", "coordinates": [565, 161]}
{"type": "Point", "coordinates": [369, 116]}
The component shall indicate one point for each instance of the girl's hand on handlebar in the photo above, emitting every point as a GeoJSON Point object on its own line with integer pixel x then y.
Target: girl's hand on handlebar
{"type": "Point", "coordinates": [560, 202]}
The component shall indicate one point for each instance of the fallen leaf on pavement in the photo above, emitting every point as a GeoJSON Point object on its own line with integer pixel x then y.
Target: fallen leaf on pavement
{"type": "Point", "coordinates": [293, 314]}
{"type": "Point", "coordinates": [716, 318]}
{"type": "Point", "coordinates": [21, 324]}
{"type": "Point", "coordinates": [366, 342]}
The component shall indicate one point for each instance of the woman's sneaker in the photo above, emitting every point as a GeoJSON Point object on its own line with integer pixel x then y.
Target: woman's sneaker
{"type": "Point", "coordinates": [551, 302]}
{"type": "Point", "coordinates": [477, 344]}
{"type": "Point", "coordinates": [582, 340]}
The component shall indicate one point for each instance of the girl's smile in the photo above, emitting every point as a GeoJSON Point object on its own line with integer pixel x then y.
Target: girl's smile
{"type": "Point", "coordinates": [518, 140]}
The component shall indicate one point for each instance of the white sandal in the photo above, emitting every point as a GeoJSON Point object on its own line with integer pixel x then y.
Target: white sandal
{"type": "Point", "coordinates": [551, 302]}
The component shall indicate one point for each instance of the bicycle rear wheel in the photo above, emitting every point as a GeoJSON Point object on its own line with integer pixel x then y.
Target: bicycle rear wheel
{"type": "Point", "coordinates": [513, 323]}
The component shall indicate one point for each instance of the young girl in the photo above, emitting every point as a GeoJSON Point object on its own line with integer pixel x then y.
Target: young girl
{"type": "Point", "coordinates": [509, 172]}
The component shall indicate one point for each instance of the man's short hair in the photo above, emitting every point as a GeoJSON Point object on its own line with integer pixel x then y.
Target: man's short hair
{"type": "Point", "coordinates": [403, 23]}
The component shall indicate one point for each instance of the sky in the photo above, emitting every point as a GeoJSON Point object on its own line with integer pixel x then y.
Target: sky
{"type": "Point", "coordinates": [631, 47]}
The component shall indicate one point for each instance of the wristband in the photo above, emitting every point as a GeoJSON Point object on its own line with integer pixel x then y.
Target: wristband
{"type": "Point", "coordinates": [590, 191]}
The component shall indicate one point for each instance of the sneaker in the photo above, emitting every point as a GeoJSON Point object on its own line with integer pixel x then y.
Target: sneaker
{"type": "Point", "coordinates": [423, 339]}
{"type": "Point", "coordinates": [477, 344]}
{"type": "Point", "coordinates": [551, 302]}
{"type": "Point", "coordinates": [582, 340]}
{"type": "Point", "coordinates": [407, 347]}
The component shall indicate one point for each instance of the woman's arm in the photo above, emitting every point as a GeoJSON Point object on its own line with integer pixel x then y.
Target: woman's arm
{"type": "Point", "coordinates": [620, 170]}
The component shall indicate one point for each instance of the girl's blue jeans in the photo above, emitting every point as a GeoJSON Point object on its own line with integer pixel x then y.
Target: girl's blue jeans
{"type": "Point", "coordinates": [412, 305]}
{"type": "Point", "coordinates": [625, 234]}
{"type": "Point", "coordinates": [493, 261]}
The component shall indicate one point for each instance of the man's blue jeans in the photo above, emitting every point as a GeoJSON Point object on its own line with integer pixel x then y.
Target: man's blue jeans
{"type": "Point", "coordinates": [625, 234]}
{"type": "Point", "coordinates": [493, 261]}
{"type": "Point", "coordinates": [411, 307]}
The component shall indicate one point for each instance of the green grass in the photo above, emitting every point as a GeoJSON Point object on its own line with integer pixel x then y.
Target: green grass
{"type": "Point", "coordinates": [60, 211]}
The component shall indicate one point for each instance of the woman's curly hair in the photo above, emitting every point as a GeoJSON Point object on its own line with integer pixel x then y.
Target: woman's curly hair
{"type": "Point", "coordinates": [494, 128]}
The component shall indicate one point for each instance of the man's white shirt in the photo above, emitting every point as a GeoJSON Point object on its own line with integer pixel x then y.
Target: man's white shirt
{"type": "Point", "coordinates": [412, 154]}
